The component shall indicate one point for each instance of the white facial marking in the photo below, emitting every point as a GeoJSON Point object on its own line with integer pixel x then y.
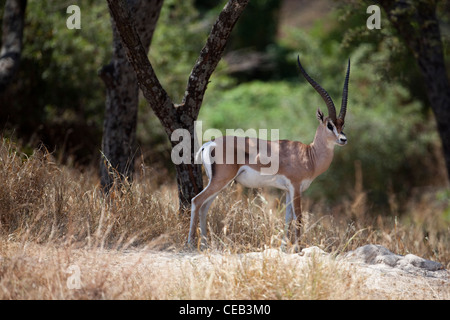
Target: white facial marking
{"type": "Point", "coordinates": [341, 139]}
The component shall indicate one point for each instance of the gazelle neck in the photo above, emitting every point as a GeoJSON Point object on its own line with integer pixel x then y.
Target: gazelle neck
{"type": "Point", "coordinates": [321, 152]}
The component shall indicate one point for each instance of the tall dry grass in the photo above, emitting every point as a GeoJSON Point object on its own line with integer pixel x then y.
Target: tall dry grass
{"type": "Point", "coordinates": [52, 216]}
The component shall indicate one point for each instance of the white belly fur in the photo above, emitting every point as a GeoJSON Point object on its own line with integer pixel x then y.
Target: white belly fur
{"type": "Point", "coordinates": [251, 178]}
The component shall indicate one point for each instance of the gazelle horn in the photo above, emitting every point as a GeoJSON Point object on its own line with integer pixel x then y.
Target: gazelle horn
{"type": "Point", "coordinates": [325, 96]}
{"type": "Point", "coordinates": [345, 94]}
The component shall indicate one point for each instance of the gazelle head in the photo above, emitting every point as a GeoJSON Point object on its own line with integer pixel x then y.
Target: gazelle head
{"type": "Point", "coordinates": [330, 127]}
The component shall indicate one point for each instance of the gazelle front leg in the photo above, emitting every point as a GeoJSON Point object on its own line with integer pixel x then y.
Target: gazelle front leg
{"type": "Point", "coordinates": [293, 212]}
{"type": "Point", "coordinates": [288, 219]}
{"type": "Point", "coordinates": [297, 205]}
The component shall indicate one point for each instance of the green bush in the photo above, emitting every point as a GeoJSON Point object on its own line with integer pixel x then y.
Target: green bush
{"type": "Point", "coordinates": [57, 96]}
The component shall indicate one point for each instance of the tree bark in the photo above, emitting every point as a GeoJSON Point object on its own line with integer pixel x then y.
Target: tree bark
{"type": "Point", "coordinates": [13, 23]}
{"type": "Point", "coordinates": [122, 97]}
{"type": "Point", "coordinates": [182, 116]}
{"type": "Point", "coordinates": [416, 23]}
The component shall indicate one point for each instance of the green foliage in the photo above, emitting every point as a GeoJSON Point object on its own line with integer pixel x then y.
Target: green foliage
{"type": "Point", "coordinates": [57, 96]}
{"type": "Point", "coordinates": [387, 134]}
{"type": "Point", "coordinates": [399, 66]}
{"type": "Point", "coordinates": [177, 41]}
{"type": "Point", "coordinates": [67, 60]}
{"type": "Point", "coordinates": [257, 26]}
{"type": "Point", "coordinates": [262, 105]}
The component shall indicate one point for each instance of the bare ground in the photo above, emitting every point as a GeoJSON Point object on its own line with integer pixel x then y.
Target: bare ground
{"type": "Point", "coordinates": [381, 281]}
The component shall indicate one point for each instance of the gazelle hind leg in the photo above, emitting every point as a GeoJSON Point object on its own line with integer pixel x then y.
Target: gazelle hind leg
{"type": "Point", "coordinates": [201, 204]}
{"type": "Point", "coordinates": [202, 215]}
{"type": "Point", "coordinates": [197, 202]}
{"type": "Point", "coordinates": [196, 208]}
{"type": "Point", "coordinates": [193, 223]}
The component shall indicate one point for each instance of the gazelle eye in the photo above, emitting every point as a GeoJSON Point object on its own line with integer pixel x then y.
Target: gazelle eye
{"type": "Point", "coordinates": [329, 126]}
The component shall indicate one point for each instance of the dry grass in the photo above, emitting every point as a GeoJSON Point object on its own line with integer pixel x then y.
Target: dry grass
{"type": "Point", "coordinates": [42, 272]}
{"type": "Point", "coordinates": [53, 217]}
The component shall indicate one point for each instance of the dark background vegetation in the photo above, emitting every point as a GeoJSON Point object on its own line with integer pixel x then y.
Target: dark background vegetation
{"type": "Point", "coordinates": [57, 98]}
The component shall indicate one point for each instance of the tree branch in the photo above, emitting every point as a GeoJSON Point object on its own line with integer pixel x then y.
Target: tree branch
{"type": "Point", "coordinates": [183, 115]}
{"type": "Point", "coordinates": [155, 94]}
{"type": "Point", "coordinates": [210, 56]}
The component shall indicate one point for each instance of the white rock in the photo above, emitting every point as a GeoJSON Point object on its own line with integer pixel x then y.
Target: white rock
{"type": "Point", "coordinates": [312, 251]}
{"type": "Point", "coordinates": [375, 254]}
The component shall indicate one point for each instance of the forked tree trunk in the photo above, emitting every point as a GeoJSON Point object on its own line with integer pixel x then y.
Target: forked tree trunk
{"type": "Point", "coordinates": [122, 98]}
{"type": "Point", "coordinates": [12, 33]}
{"type": "Point", "coordinates": [182, 116]}
{"type": "Point", "coordinates": [416, 23]}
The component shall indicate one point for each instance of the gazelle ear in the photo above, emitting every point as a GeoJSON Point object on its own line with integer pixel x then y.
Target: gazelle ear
{"type": "Point", "coordinates": [319, 115]}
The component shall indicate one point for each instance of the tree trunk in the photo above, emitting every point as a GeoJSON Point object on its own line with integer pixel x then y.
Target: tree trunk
{"type": "Point", "coordinates": [13, 23]}
{"type": "Point", "coordinates": [189, 174]}
{"type": "Point", "coordinates": [189, 182]}
{"type": "Point", "coordinates": [122, 98]}
{"type": "Point", "coordinates": [417, 24]}
{"type": "Point", "coordinates": [171, 116]}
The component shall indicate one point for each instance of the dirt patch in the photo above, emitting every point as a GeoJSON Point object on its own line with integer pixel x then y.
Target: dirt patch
{"type": "Point", "coordinates": [384, 274]}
